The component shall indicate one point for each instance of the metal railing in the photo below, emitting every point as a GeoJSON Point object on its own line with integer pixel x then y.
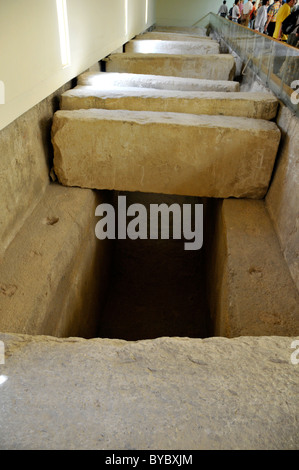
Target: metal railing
{"type": "Point", "coordinates": [274, 62]}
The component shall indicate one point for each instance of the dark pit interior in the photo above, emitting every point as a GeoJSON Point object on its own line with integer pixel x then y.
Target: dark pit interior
{"type": "Point", "coordinates": [157, 288]}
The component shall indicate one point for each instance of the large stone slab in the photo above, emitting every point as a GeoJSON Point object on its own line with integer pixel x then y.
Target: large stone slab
{"type": "Point", "coordinates": [191, 30]}
{"type": "Point", "coordinates": [156, 46]}
{"type": "Point", "coordinates": [251, 105]}
{"type": "Point", "coordinates": [171, 153]}
{"type": "Point", "coordinates": [53, 276]}
{"type": "Point", "coordinates": [165, 394]}
{"type": "Point", "coordinates": [169, 36]}
{"type": "Point", "coordinates": [251, 289]}
{"type": "Point", "coordinates": [103, 80]}
{"type": "Point", "coordinates": [209, 66]}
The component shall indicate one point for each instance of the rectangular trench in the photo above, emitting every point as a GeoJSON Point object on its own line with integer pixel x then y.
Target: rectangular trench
{"type": "Point", "coordinates": [235, 283]}
{"type": "Point", "coordinates": [137, 284]}
{"type": "Point", "coordinates": [157, 288]}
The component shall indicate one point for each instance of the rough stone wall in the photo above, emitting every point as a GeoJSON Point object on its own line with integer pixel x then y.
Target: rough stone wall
{"type": "Point", "coordinates": [47, 279]}
{"type": "Point", "coordinates": [283, 197]}
{"type": "Point", "coordinates": [26, 154]}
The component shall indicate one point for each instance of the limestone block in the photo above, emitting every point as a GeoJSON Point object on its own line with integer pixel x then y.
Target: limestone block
{"type": "Point", "coordinates": [170, 153]}
{"type": "Point", "coordinates": [184, 30]}
{"type": "Point", "coordinates": [251, 289]}
{"type": "Point", "coordinates": [168, 36]}
{"type": "Point", "coordinates": [55, 269]}
{"type": "Point", "coordinates": [156, 46]}
{"type": "Point", "coordinates": [162, 394]}
{"type": "Point", "coordinates": [251, 105]}
{"type": "Point", "coordinates": [209, 66]}
{"type": "Point", "coordinates": [103, 80]}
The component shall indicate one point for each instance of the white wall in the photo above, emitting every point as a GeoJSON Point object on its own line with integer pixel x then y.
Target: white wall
{"type": "Point", "coordinates": [30, 61]}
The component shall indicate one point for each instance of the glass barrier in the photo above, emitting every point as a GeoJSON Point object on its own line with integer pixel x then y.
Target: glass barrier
{"type": "Point", "coordinates": [276, 63]}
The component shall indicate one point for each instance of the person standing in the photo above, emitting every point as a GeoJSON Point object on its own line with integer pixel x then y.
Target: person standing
{"type": "Point", "coordinates": [261, 17]}
{"type": "Point", "coordinates": [223, 11]}
{"type": "Point", "coordinates": [283, 13]}
{"type": "Point", "coordinates": [272, 14]}
{"type": "Point", "coordinates": [246, 13]}
{"type": "Point", "coordinates": [241, 6]}
{"type": "Point", "coordinates": [236, 12]}
{"type": "Point", "coordinates": [252, 15]}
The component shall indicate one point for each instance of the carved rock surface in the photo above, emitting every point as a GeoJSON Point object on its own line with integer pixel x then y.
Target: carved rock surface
{"type": "Point", "coordinates": [170, 153]}
{"type": "Point", "coordinates": [156, 46]}
{"type": "Point", "coordinates": [250, 105]}
{"type": "Point", "coordinates": [209, 66]}
{"type": "Point", "coordinates": [104, 80]}
{"type": "Point", "coordinates": [165, 394]}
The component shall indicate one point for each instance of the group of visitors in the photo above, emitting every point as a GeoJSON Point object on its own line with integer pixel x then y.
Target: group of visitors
{"type": "Point", "coordinates": [265, 18]}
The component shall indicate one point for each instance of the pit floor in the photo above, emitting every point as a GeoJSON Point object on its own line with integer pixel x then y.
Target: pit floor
{"type": "Point", "coordinates": [156, 289]}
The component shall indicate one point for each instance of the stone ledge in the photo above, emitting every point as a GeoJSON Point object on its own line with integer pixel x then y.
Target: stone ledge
{"type": "Point", "coordinates": [210, 66]}
{"type": "Point", "coordinates": [183, 30]}
{"type": "Point", "coordinates": [252, 290]}
{"type": "Point", "coordinates": [156, 46]}
{"type": "Point", "coordinates": [169, 153]}
{"type": "Point", "coordinates": [168, 36]}
{"type": "Point", "coordinates": [249, 105]}
{"type": "Point", "coordinates": [50, 271]}
{"type": "Point", "coordinates": [103, 80]}
{"type": "Point", "coordinates": [162, 394]}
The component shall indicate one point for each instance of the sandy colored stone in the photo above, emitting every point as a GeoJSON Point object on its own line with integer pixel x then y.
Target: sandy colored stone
{"type": "Point", "coordinates": [168, 36]}
{"type": "Point", "coordinates": [250, 105]}
{"type": "Point", "coordinates": [283, 197]}
{"type": "Point", "coordinates": [24, 165]}
{"type": "Point", "coordinates": [251, 289]}
{"type": "Point", "coordinates": [184, 30]}
{"type": "Point", "coordinates": [55, 268]}
{"type": "Point", "coordinates": [171, 153]}
{"type": "Point", "coordinates": [165, 394]}
{"type": "Point", "coordinates": [156, 46]}
{"type": "Point", "coordinates": [210, 66]}
{"type": "Point", "coordinates": [104, 80]}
